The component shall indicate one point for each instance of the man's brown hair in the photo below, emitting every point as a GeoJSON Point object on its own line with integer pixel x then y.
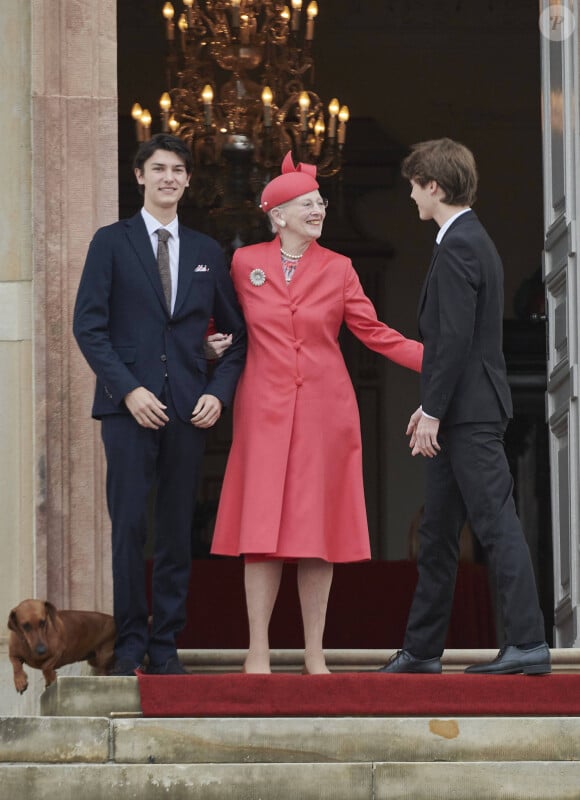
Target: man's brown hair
{"type": "Point", "coordinates": [449, 163]}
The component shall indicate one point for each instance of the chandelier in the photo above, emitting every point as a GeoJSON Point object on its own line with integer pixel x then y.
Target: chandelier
{"type": "Point", "coordinates": [239, 77]}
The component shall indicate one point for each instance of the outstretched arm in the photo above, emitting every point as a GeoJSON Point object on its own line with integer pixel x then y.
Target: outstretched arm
{"type": "Point", "coordinates": [360, 317]}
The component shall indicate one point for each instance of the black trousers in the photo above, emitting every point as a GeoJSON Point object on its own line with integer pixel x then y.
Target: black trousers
{"type": "Point", "coordinates": [470, 479]}
{"type": "Point", "coordinates": [137, 460]}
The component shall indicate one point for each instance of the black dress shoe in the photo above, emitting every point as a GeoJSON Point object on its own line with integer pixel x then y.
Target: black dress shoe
{"type": "Point", "coordinates": [171, 667]}
{"type": "Point", "coordinates": [404, 661]}
{"type": "Point", "coordinates": [124, 667]}
{"type": "Point", "coordinates": [512, 660]}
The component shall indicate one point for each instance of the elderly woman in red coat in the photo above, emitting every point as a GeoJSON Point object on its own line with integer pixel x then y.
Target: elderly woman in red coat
{"type": "Point", "coordinates": [293, 486]}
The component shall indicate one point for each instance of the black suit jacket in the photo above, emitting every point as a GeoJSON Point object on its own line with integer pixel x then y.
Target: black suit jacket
{"type": "Point", "coordinates": [463, 378]}
{"type": "Point", "coordinates": [125, 332]}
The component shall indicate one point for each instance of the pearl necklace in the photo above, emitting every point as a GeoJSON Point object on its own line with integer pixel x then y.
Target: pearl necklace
{"type": "Point", "coordinates": [290, 256]}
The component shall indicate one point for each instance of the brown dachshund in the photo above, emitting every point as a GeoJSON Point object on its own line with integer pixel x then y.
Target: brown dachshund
{"type": "Point", "coordinates": [46, 639]}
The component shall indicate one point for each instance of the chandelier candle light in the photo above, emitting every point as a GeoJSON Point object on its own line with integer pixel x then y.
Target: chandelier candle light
{"type": "Point", "coordinates": [239, 77]}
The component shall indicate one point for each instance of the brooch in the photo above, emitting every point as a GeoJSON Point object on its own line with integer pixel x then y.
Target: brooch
{"type": "Point", "coordinates": [257, 277]}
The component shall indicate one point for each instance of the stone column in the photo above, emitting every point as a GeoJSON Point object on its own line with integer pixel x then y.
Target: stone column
{"type": "Point", "coordinates": [58, 84]}
{"type": "Point", "coordinates": [74, 161]}
{"type": "Point", "coordinates": [16, 462]}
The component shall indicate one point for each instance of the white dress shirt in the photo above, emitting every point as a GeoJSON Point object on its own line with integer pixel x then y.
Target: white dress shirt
{"type": "Point", "coordinates": [443, 229]}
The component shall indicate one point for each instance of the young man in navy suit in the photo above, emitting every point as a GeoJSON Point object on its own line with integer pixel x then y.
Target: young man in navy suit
{"type": "Point", "coordinates": [459, 427]}
{"type": "Point", "coordinates": [144, 340]}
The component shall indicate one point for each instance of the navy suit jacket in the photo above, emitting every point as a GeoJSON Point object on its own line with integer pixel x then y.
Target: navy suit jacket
{"type": "Point", "coordinates": [463, 377]}
{"type": "Point", "coordinates": [126, 334]}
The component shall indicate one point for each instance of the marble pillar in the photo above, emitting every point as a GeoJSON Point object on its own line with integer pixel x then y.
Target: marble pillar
{"type": "Point", "coordinates": [16, 361]}
{"type": "Point", "coordinates": [74, 156]}
{"type": "Point", "coordinates": [59, 87]}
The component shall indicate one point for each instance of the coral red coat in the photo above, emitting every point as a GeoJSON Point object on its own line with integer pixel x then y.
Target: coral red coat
{"type": "Point", "coordinates": [293, 485]}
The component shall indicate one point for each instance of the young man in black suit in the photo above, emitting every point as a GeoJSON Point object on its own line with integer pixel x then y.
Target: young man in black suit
{"type": "Point", "coordinates": [459, 427]}
{"type": "Point", "coordinates": [148, 290]}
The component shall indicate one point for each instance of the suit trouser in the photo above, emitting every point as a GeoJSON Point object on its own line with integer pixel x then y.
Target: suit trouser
{"type": "Point", "coordinates": [139, 459]}
{"type": "Point", "coordinates": [470, 478]}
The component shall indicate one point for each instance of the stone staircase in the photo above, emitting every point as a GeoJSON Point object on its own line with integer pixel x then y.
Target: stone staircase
{"type": "Point", "coordinates": [91, 743]}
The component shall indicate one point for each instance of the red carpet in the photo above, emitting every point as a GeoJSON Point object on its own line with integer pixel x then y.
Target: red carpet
{"type": "Point", "coordinates": [360, 694]}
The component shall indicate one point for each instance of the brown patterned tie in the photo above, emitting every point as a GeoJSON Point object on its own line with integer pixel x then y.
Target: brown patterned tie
{"type": "Point", "coordinates": [163, 264]}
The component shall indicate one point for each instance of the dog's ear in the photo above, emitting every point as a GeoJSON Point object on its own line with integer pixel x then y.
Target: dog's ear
{"type": "Point", "coordinates": [13, 621]}
{"type": "Point", "coordinates": [50, 612]}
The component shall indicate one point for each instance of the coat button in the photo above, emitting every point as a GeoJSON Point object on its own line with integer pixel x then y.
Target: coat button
{"type": "Point", "coordinates": [299, 381]}
{"type": "Point", "coordinates": [293, 308]}
{"type": "Point", "coordinates": [164, 358]}
{"type": "Point", "coordinates": [297, 344]}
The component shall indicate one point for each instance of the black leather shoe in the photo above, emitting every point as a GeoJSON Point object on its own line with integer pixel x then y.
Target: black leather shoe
{"type": "Point", "coordinates": [404, 661]}
{"type": "Point", "coordinates": [512, 660]}
{"type": "Point", "coordinates": [171, 667]}
{"type": "Point", "coordinates": [124, 667]}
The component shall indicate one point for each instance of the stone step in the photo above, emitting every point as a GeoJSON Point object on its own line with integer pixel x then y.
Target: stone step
{"type": "Point", "coordinates": [93, 696]}
{"type": "Point", "coordinates": [93, 742]}
{"type": "Point", "coordinates": [245, 740]}
{"type": "Point", "coordinates": [283, 759]}
{"type": "Point", "coordinates": [531, 780]}
{"type": "Point", "coordinates": [564, 659]}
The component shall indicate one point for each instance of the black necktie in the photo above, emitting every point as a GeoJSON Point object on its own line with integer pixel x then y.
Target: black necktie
{"type": "Point", "coordinates": [163, 264]}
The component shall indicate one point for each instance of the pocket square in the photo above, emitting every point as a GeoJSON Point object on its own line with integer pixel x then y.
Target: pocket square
{"type": "Point", "coordinates": [201, 268]}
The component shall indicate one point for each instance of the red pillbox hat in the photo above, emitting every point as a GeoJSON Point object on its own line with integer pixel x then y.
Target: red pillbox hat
{"type": "Point", "coordinates": [293, 182]}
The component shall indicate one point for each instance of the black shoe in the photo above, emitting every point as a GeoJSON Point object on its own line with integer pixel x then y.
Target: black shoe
{"type": "Point", "coordinates": [171, 667]}
{"type": "Point", "coordinates": [512, 660]}
{"type": "Point", "coordinates": [124, 667]}
{"type": "Point", "coordinates": [404, 661]}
